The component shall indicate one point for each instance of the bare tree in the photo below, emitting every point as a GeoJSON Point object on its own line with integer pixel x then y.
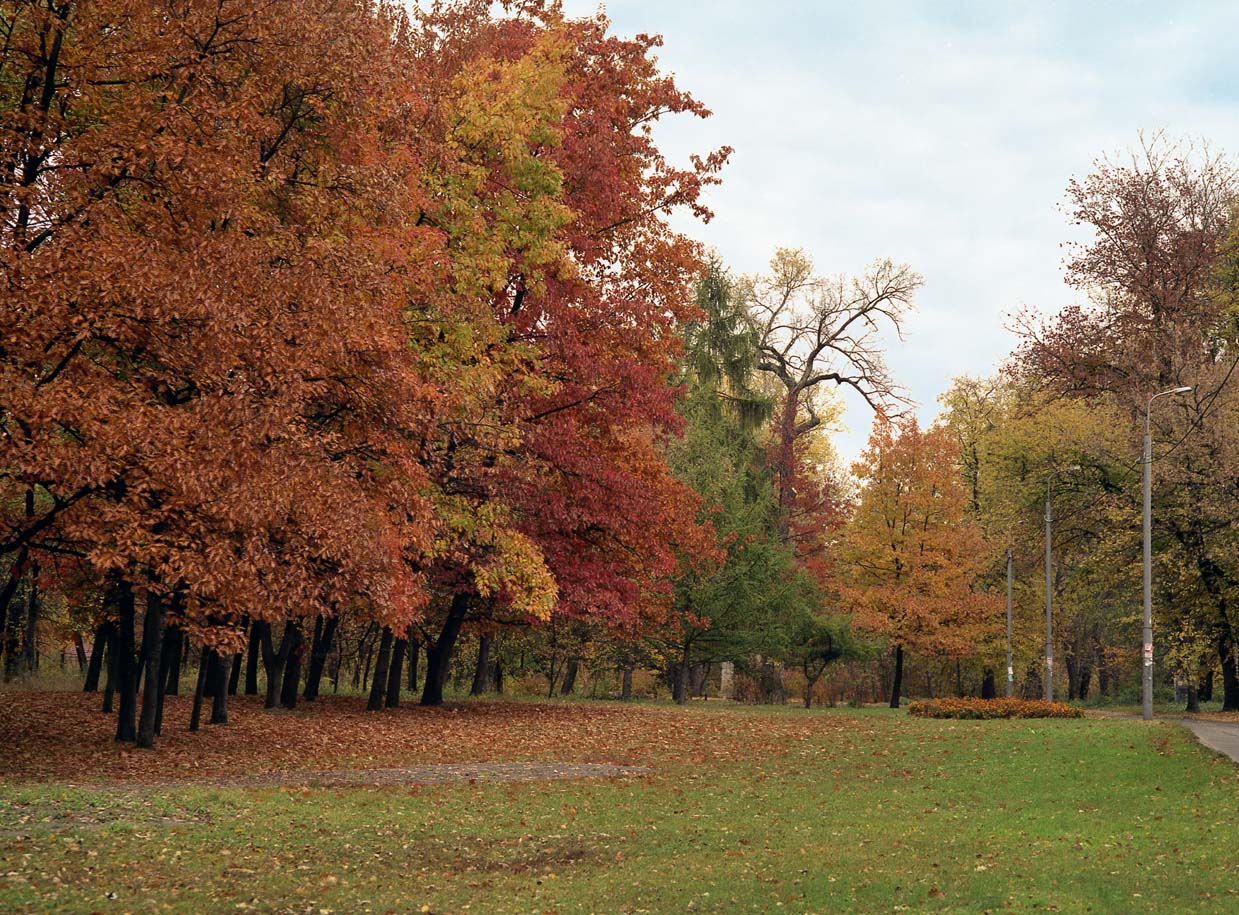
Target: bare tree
{"type": "Point", "coordinates": [816, 331]}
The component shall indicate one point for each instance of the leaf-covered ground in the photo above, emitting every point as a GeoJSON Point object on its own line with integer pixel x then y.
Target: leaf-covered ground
{"type": "Point", "coordinates": [744, 810]}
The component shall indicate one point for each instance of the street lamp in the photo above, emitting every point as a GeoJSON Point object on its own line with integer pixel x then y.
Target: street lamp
{"type": "Point", "coordinates": [1049, 585]}
{"type": "Point", "coordinates": [1148, 551]}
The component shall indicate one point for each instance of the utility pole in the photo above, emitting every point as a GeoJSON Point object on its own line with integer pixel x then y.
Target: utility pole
{"type": "Point", "coordinates": [1147, 653]}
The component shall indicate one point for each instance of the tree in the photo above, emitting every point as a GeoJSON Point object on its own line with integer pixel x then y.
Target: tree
{"type": "Point", "coordinates": [911, 560]}
{"type": "Point", "coordinates": [1159, 278]}
{"type": "Point", "coordinates": [812, 331]}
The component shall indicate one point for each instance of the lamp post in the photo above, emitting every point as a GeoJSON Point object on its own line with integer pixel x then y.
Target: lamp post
{"type": "Point", "coordinates": [1049, 586]}
{"type": "Point", "coordinates": [1010, 665]}
{"type": "Point", "coordinates": [1147, 674]}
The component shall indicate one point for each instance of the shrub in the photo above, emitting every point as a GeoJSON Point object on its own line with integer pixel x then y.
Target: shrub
{"type": "Point", "coordinates": [984, 709]}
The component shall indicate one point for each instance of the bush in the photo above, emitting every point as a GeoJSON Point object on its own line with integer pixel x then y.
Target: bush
{"type": "Point", "coordinates": [985, 709]}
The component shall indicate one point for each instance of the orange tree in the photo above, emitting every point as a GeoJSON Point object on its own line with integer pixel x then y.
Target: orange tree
{"type": "Point", "coordinates": [910, 561]}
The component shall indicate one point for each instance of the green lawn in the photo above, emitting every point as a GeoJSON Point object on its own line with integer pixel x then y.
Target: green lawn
{"type": "Point", "coordinates": [884, 814]}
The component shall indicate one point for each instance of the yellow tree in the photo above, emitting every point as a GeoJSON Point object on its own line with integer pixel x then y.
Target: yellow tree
{"type": "Point", "coordinates": [912, 559]}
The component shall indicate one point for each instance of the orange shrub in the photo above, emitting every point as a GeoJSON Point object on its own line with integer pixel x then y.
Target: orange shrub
{"type": "Point", "coordinates": [983, 709]}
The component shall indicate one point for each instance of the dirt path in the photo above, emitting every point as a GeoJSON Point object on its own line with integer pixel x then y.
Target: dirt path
{"type": "Point", "coordinates": [433, 774]}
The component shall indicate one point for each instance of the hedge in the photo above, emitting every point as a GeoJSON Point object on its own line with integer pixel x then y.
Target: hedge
{"type": "Point", "coordinates": [982, 709]}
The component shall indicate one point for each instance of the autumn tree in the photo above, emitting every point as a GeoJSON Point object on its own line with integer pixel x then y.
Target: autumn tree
{"type": "Point", "coordinates": [1159, 313]}
{"type": "Point", "coordinates": [814, 331]}
{"type": "Point", "coordinates": [911, 560]}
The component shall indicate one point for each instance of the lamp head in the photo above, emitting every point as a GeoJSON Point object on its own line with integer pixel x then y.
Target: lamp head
{"type": "Point", "coordinates": [1182, 390]}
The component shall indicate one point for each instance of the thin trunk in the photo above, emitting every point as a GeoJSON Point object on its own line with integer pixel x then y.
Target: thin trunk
{"type": "Point", "coordinates": [378, 690]}
{"type": "Point", "coordinates": [897, 680]}
{"type": "Point", "coordinates": [219, 702]}
{"type": "Point", "coordinates": [109, 686]}
{"type": "Point", "coordinates": [415, 650]}
{"type": "Point", "coordinates": [204, 662]}
{"type": "Point", "coordinates": [253, 652]}
{"type": "Point", "coordinates": [170, 664]}
{"type": "Point", "coordinates": [152, 653]}
{"type": "Point", "coordinates": [498, 676]}
{"type": "Point", "coordinates": [439, 656]}
{"type": "Point", "coordinates": [292, 674]}
{"type": "Point", "coordinates": [95, 665]}
{"type": "Point", "coordinates": [396, 676]}
{"type": "Point", "coordinates": [570, 674]}
{"type": "Point", "coordinates": [79, 645]}
{"type": "Point", "coordinates": [30, 644]}
{"type": "Point", "coordinates": [10, 617]}
{"type": "Point", "coordinates": [323, 644]}
{"type": "Point", "coordinates": [679, 679]}
{"type": "Point", "coordinates": [126, 668]}
{"type": "Point", "coordinates": [174, 644]}
{"type": "Point", "coordinates": [234, 678]}
{"type": "Point", "coordinates": [626, 684]}
{"type": "Point", "coordinates": [481, 672]}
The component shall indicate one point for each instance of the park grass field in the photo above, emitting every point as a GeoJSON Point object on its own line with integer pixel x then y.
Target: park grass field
{"type": "Point", "coordinates": [742, 810]}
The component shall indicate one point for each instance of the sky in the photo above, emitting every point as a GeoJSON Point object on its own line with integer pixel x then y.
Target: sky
{"type": "Point", "coordinates": [938, 134]}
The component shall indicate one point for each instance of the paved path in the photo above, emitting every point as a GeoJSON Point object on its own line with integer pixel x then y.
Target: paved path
{"type": "Point", "coordinates": [1219, 736]}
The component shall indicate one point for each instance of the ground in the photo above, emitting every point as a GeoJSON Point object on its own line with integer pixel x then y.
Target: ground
{"type": "Point", "coordinates": [739, 810]}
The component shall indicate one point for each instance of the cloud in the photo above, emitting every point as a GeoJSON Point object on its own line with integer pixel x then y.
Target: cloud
{"type": "Point", "coordinates": [939, 134]}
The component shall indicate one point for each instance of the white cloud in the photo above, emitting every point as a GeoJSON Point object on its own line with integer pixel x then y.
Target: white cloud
{"type": "Point", "coordinates": [940, 134]}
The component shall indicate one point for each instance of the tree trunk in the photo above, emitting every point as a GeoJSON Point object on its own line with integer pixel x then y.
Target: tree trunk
{"type": "Point", "coordinates": [174, 643]}
{"type": "Point", "coordinates": [95, 665]}
{"type": "Point", "coordinates": [481, 672]}
{"type": "Point", "coordinates": [234, 678]}
{"type": "Point", "coordinates": [1230, 675]}
{"type": "Point", "coordinates": [276, 662]}
{"type": "Point", "coordinates": [1206, 687]}
{"type": "Point", "coordinates": [219, 702]}
{"type": "Point", "coordinates": [30, 644]}
{"type": "Point", "coordinates": [10, 617]}
{"type": "Point", "coordinates": [13, 639]}
{"type": "Point", "coordinates": [170, 664]}
{"type": "Point", "coordinates": [79, 645]}
{"type": "Point", "coordinates": [126, 667]}
{"type": "Point", "coordinates": [897, 680]}
{"type": "Point", "coordinates": [679, 679]}
{"type": "Point", "coordinates": [498, 676]}
{"type": "Point", "coordinates": [109, 686]}
{"type": "Point", "coordinates": [415, 650]}
{"type": "Point", "coordinates": [152, 653]}
{"type": "Point", "coordinates": [252, 653]}
{"type": "Point", "coordinates": [378, 690]}
{"type": "Point", "coordinates": [292, 674]}
{"type": "Point", "coordinates": [204, 662]}
{"type": "Point", "coordinates": [570, 672]}
{"type": "Point", "coordinates": [324, 639]}
{"type": "Point", "coordinates": [626, 684]}
{"type": "Point", "coordinates": [396, 675]}
{"type": "Point", "coordinates": [1193, 698]}
{"type": "Point", "coordinates": [989, 689]}
{"type": "Point", "coordinates": [439, 655]}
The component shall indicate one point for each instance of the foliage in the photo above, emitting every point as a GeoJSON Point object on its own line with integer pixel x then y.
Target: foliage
{"type": "Point", "coordinates": [985, 709]}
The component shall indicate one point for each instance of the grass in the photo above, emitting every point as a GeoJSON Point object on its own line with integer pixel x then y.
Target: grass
{"type": "Point", "coordinates": [747, 810]}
